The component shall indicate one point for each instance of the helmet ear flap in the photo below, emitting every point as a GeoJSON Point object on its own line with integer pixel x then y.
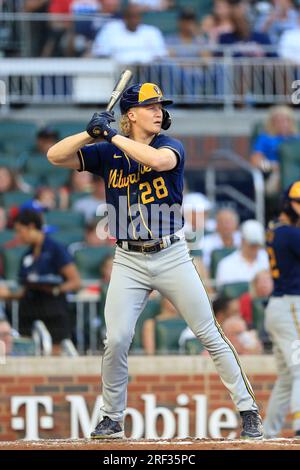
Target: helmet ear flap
{"type": "Point", "coordinates": [167, 120]}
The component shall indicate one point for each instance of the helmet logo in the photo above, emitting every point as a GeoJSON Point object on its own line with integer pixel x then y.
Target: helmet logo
{"type": "Point", "coordinates": [157, 90]}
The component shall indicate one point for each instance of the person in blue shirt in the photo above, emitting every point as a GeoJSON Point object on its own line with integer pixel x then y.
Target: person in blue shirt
{"type": "Point", "coordinates": [282, 320]}
{"type": "Point", "coordinates": [280, 127]}
{"type": "Point", "coordinates": [143, 173]}
{"type": "Point", "coordinates": [47, 272]}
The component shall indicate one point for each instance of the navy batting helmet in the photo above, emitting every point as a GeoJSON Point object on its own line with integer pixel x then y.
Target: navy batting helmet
{"type": "Point", "coordinates": [142, 94]}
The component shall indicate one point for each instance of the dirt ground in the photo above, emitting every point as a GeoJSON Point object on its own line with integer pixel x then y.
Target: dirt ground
{"type": "Point", "coordinates": [146, 444]}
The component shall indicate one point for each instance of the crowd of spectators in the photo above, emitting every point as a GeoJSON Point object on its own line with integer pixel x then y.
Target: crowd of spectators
{"type": "Point", "coordinates": [137, 31]}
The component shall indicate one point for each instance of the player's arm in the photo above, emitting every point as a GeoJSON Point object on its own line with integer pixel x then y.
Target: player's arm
{"type": "Point", "coordinates": [64, 152]}
{"type": "Point", "coordinates": [163, 159]}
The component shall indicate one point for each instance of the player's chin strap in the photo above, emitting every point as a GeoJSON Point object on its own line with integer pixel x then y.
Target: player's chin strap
{"type": "Point", "coordinates": [167, 120]}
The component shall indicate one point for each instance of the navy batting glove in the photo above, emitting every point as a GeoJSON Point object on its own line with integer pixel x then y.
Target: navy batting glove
{"type": "Point", "coordinates": [99, 126]}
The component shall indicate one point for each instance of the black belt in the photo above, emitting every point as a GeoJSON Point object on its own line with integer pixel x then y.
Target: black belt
{"type": "Point", "coordinates": [149, 246]}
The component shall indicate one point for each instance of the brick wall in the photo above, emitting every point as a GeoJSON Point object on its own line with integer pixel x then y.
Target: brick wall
{"type": "Point", "coordinates": [165, 385]}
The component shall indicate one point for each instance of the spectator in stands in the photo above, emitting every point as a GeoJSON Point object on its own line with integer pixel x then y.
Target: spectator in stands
{"type": "Point", "coordinates": [249, 43]}
{"type": "Point", "coordinates": [6, 338]}
{"type": "Point", "coordinates": [89, 205]}
{"type": "Point", "coordinates": [243, 264]}
{"type": "Point", "coordinates": [218, 22]}
{"type": "Point", "coordinates": [226, 235]}
{"type": "Point", "coordinates": [289, 46]}
{"type": "Point", "coordinates": [45, 138]}
{"type": "Point", "coordinates": [280, 127]}
{"type": "Point", "coordinates": [81, 182]}
{"type": "Point", "coordinates": [47, 273]}
{"type": "Point", "coordinates": [3, 219]}
{"type": "Point", "coordinates": [58, 30]}
{"type": "Point", "coordinates": [260, 288]}
{"type": "Point", "coordinates": [283, 16]}
{"type": "Point", "coordinates": [8, 180]}
{"type": "Point", "coordinates": [37, 30]}
{"type": "Point", "coordinates": [168, 312]}
{"type": "Point", "coordinates": [187, 42]}
{"type": "Point", "coordinates": [43, 201]}
{"type": "Point", "coordinates": [111, 7]}
{"type": "Point", "coordinates": [128, 41]}
{"type": "Point", "coordinates": [196, 207]}
{"type": "Point", "coordinates": [91, 238]}
{"type": "Point", "coordinates": [154, 5]}
{"type": "Point", "coordinates": [244, 341]}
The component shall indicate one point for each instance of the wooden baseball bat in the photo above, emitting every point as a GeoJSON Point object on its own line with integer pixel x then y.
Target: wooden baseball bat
{"type": "Point", "coordinates": [122, 83]}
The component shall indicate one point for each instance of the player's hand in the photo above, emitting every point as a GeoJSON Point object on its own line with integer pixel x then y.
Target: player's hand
{"type": "Point", "coordinates": [99, 126]}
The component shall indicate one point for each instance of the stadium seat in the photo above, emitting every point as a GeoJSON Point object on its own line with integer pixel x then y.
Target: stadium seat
{"type": "Point", "coordinates": [196, 253]}
{"type": "Point", "coordinates": [234, 290]}
{"type": "Point", "coordinates": [24, 347]}
{"type": "Point", "coordinates": [216, 256]}
{"type": "Point", "coordinates": [66, 128]}
{"type": "Point", "coordinates": [88, 260]}
{"type": "Point", "coordinates": [66, 237]}
{"type": "Point", "coordinates": [193, 346]}
{"type": "Point", "coordinates": [58, 178]}
{"type": "Point", "coordinates": [258, 314]}
{"type": "Point", "coordinates": [167, 333]}
{"type": "Point", "coordinates": [17, 136]}
{"type": "Point", "coordinates": [8, 161]}
{"type": "Point", "coordinates": [74, 196]}
{"type": "Point", "coordinates": [6, 236]}
{"type": "Point", "coordinates": [65, 219]}
{"type": "Point", "coordinates": [11, 262]}
{"type": "Point", "coordinates": [289, 156]}
{"type": "Point", "coordinates": [166, 21]}
{"type": "Point", "coordinates": [202, 7]}
{"type": "Point", "coordinates": [15, 198]}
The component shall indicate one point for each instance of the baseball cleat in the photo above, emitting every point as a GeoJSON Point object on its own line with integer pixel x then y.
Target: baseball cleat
{"type": "Point", "coordinates": [107, 429]}
{"type": "Point", "coordinates": [252, 425]}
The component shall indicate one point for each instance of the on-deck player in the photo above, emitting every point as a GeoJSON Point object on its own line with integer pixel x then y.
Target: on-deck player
{"type": "Point", "coordinates": [283, 312]}
{"type": "Point", "coordinates": [143, 173]}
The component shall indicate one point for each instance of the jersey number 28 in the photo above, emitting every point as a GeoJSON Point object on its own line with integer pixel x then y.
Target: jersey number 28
{"type": "Point", "coordinates": [159, 187]}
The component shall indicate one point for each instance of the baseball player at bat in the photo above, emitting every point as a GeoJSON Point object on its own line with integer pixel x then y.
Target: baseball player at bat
{"type": "Point", "coordinates": [143, 172]}
{"type": "Point", "coordinates": [282, 320]}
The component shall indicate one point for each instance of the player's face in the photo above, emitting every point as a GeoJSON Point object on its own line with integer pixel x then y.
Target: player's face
{"type": "Point", "coordinates": [296, 206]}
{"type": "Point", "coordinates": [25, 233]}
{"type": "Point", "coordinates": [149, 118]}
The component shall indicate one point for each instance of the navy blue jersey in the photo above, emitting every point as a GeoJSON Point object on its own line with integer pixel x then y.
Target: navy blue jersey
{"type": "Point", "coordinates": [141, 202]}
{"type": "Point", "coordinates": [283, 245]}
{"type": "Point", "coordinates": [46, 268]}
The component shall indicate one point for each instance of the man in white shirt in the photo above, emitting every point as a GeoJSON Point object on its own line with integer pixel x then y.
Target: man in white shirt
{"type": "Point", "coordinates": [289, 45]}
{"type": "Point", "coordinates": [128, 41]}
{"type": "Point", "coordinates": [226, 235]}
{"type": "Point", "coordinates": [242, 265]}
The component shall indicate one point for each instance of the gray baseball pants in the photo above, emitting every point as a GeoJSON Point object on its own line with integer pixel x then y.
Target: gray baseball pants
{"type": "Point", "coordinates": [173, 274]}
{"type": "Point", "coordinates": [282, 322]}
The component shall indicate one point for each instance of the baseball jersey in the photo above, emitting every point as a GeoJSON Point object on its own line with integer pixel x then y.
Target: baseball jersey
{"type": "Point", "coordinates": [141, 202]}
{"type": "Point", "coordinates": [283, 245]}
{"type": "Point", "coordinates": [47, 266]}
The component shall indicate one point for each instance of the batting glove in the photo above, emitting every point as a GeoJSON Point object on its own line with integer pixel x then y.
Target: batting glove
{"type": "Point", "coordinates": [99, 126]}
